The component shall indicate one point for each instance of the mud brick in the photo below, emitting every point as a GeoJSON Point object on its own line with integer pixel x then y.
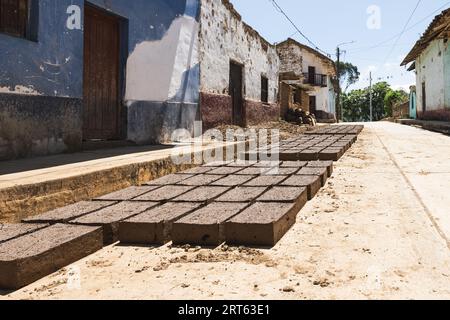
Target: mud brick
{"type": "Point", "coordinates": [290, 155]}
{"type": "Point", "coordinates": [313, 183]}
{"type": "Point", "coordinates": [331, 154]}
{"type": "Point", "coordinates": [65, 214]}
{"type": "Point", "coordinates": [202, 194]}
{"type": "Point", "coordinates": [322, 164]}
{"type": "Point", "coordinates": [198, 170]}
{"type": "Point", "coordinates": [109, 218]}
{"type": "Point", "coordinates": [12, 231]}
{"type": "Point", "coordinates": [127, 194]}
{"type": "Point", "coordinates": [217, 164]}
{"type": "Point", "coordinates": [154, 226]}
{"type": "Point", "coordinates": [169, 179]}
{"type": "Point", "coordinates": [205, 226]}
{"type": "Point", "coordinates": [242, 194]}
{"type": "Point", "coordinates": [282, 171]}
{"type": "Point", "coordinates": [233, 181]}
{"type": "Point", "coordinates": [200, 180]}
{"type": "Point", "coordinates": [267, 164]}
{"type": "Point", "coordinates": [321, 172]}
{"type": "Point", "coordinates": [262, 224]}
{"type": "Point", "coordinates": [294, 164]}
{"type": "Point", "coordinates": [249, 156]}
{"type": "Point", "coordinates": [265, 181]}
{"type": "Point", "coordinates": [33, 256]}
{"type": "Point", "coordinates": [286, 194]}
{"type": "Point", "coordinates": [308, 155]}
{"type": "Point", "coordinates": [164, 193]}
{"type": "Point", "coordinates": [253, 171]}
{"type": "Point", "coordinates": [224, 170]}
{"type": "Point", "coordinates": [241, 164]}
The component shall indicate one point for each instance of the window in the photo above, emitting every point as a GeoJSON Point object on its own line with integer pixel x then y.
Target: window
{"type": "Point", "coordinates": [264, 89]}
{"type": "Point", "coordinates": [19, 18]}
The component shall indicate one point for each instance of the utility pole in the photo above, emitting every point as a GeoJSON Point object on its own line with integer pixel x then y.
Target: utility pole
{"type": "Point", "coordinates": [371, 98]}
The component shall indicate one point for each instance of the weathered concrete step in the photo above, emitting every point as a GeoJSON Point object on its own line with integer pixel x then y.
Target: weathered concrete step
{"type": "Point", "coordinates": [262, 224]}
{"type": "Point", "coordinates": [12, 231]}
{"type": "Point", "coordinates": [71, 212]}
{"type": "Point", "coordinates": [154, 226]}
{"type": "Point", "coordinates": [36, 255]}
{"type": "Point", "coordinates": [205, 226]}
{"type": "Point", "coordinates": [110, 217]}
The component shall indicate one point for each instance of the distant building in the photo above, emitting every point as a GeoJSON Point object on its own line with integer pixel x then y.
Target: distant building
{"type": "Point", "coordinates": [308, 80]}
{"type": "Point", "coordinates": [75, 70]}
{"type": "Point", "coordinates": [430, 58]}
{"type": "Point", "coordinates": [238, 69]}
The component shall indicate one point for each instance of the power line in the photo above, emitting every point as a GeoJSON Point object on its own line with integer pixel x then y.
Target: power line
{"type": "Point", "coordinates": [403, 31]}
{"type": "Point", "coordinates": [399, 34]}
{"type": "Point", "coordinates": [279, 9]}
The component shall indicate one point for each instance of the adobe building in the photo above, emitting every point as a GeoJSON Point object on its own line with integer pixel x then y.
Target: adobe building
{"type": "Point", "coordinates": [430, 58]}
{"type": "Point", "coordinates": [74, 71]}
{"type": "Point", "coordinates": [238, 69]}
{"type": "Point", "coordinates": [308, 80]}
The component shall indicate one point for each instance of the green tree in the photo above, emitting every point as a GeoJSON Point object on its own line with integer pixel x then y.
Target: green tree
{"type": "Point", "coordinates": [356, 103]}
{"type": "Point", "coordinates": [348, 74]}
{"type": "Point", "coordinates": [394, 97]}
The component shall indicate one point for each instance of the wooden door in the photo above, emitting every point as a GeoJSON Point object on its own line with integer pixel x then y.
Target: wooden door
{"type": "Point", "coordinates": [101, 115]}
{"type": "Point", "coordinates": [236, 93]}
{"type": "Point", "coordinates": [424, 97]}
{"type": "Point", "coordinates": [312, 105]}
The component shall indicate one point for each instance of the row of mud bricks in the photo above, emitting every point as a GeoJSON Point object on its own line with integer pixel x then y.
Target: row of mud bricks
{"type": "Point", "coordinates": [241, 203]}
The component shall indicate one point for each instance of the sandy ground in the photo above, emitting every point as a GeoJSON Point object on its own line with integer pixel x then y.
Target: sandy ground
{"type": "Point", "coordinates": [379, 230]}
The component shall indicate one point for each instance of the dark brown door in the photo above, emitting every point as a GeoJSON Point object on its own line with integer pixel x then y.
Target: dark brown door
{"type": "Point", "coordinates": [312, 75]}
{"type": "Point", "coordinates": [101, 75]}
{"type": "Point", "coordinates": [236, 93]}
{"type": "Point", "coordinates": [312, 105]}
{"type": "Point", "coordinates": [424, 97]}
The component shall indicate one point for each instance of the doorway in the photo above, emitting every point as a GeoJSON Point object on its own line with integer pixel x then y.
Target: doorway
{"type": "Point", "coordinates": [101, 88]}
{"type": "Point", "coordinates": [312, 105]}
{"type": "Point", "coordinates": [236, 87]}
{"type": "Point", "coordinates": [424, 97]}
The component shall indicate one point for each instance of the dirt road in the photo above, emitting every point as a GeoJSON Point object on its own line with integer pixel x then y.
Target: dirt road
{"type": "Point", "coordinates": [379, 229]}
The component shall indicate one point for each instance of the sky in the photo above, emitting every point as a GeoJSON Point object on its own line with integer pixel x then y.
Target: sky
{"type": "Point", "coordinates": [383, 31]}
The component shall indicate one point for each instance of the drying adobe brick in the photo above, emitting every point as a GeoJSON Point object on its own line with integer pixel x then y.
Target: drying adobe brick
{"type": "Point", "coordinates": [202, 194]}
{"type": "Point", "coordinates": [127, 194]}
{"type": "Point", "coordinates": [262, 224]}
{"type": "Point", "coordinates": [321, 172]}
{"type": "Point", "coordinates": [36, 255]}
{"type": "Point", "coordinates": [322, 164]}
{"type": "Point", "coordinates": [200, 180]}
{"type": "Point", "coordinates": [74, 211]}
{"type": "Point", "coordinates": [12, 231]}
{"type": "Point", "coordinates": [265, 181]}
{"type": "Point", "coordinates": [169, 179]}
{"type": "Point", "coordinates": [242, 194]}
{"type": "Point", "coordinates": [232, 181]}
{"type": "Point", "coordinates": [205, 226]}
{"type": "Point", "coordinates": [109, 218]}
{"type": "Point", "coordinates": [313, 183]}
{"type": "Point", "coordinates": [154, 226]}
{"type": "Point", "coordinates": [164, 193]}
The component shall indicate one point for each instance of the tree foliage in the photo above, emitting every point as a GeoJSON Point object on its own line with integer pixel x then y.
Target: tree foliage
{"type": "Point", "coordinates": [356, 104]}
{"type": "Point", "coordinates": [348, 74]}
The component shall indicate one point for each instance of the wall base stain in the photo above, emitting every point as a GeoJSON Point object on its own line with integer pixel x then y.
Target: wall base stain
{"type": "Point", "coordinates": [39, 125]}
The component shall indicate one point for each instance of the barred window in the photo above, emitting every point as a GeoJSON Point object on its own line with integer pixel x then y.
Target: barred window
{"type": "Point", "coordinates": [19, 18]}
